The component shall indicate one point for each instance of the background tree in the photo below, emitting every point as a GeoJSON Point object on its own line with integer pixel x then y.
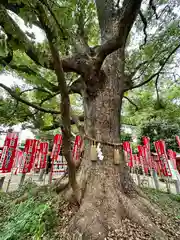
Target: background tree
{"type": "Point", "coordinates": [89, 50]}
{"type": "Point", "coordinates": [11, 112]}
{"type": "Point", "coordinates": [145, 106]}
{"type": "Point", "coordinates": [155, 117]}
{"type": "Point", "coordinates": [161, 129]}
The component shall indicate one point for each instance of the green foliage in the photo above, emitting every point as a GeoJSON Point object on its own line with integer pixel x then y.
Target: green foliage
{"type": "Point", "coordinates": [175, 197]}
{"type": "Point", "coordinates": [151, 111]}
{"type": "Point", "coordinates": [31, 219]}
{"type": "Point", "coordinates": [28, 219]}
{"type": "Point", "coordinates": [125, 136]}
{"type": "Point", "coordinates": [73, 20]}
{"type": "Point", "coordinates": [12, 113]}
{"type": "Point", "coordinates": [169, 203]}
{"type": "Point", "coordinates": [161, 129]}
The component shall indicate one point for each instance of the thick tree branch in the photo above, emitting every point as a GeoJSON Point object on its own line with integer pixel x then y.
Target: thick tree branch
{"type": "Point", "coordinates": [65, 102]}
{"type": "Point", "coordinates": [71, 64]}
{"type": "Point", "coordinates": [18, 98]}
{"type": "Point", "coordinates": [160, 69]}
{"type": "Point", "coordinates": [25, 69]}
{"type": "Point", "coordinates": [131, 102]}
{"type": "Point", "coordinates": [77, 86]}
{"type": "Point", "coordinates": [58, 124]}
{"type": "Point", "coordinates": [127, 16]}
{"type": "Point", "coordinates": [105, 11]}
{"type": "Point", "coordinates": [22, 68]}
{"type": "Point", "coordinates": [143, 19]}
{"type": "Point", "coordinates": [11, 28]}
{"type": "Point", "coordinates": [16, 8]}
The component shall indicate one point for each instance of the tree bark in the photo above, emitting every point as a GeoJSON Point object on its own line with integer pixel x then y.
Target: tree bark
{"type": "Point", "coordinates": [109, 197]}
{"type": "Point", "coordinates": [108, 194]}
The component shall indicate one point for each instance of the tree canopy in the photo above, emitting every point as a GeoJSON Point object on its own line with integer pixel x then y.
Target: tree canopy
{"type": "Point", "coordinates": [148, 57]}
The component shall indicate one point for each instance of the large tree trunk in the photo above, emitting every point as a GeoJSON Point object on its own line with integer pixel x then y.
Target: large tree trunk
{"type": "Point", "coordinates": [110, 201]}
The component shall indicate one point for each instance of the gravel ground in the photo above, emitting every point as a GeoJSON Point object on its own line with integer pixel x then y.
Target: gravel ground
{"type": "Point", "coordinates": [15, 180]}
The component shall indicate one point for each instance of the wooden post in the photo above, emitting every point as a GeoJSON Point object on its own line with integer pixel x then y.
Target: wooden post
{"type": "Point", "coordinates": [44, 178]}
{"type": "Point", "coordinates": [50, 174]}
{"type": "Point", "coordinates": [9, 181]}
{"type": "Point", "coordinates": [155, 177]}
{"type": "Point", "coordinates": [2, 182]}
{"type": "Point", "coordinates": [168, 185]}
{"type": "Point", "coordinates": [41, 174]}
{"type": "Point", "coordinates": [22, 179]}
{"type": "Point", "coordinates": [138, 179]}
{"type": "Point", "coordinates": [177, 185]}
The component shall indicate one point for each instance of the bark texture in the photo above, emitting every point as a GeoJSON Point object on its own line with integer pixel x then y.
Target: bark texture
{"type": "Point", "coordinates": [110, 199]}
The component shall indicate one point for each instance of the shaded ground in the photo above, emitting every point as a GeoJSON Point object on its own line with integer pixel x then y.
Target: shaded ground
{"type": "Point", "coordinates": [169, 203]}
{"type": "Point", "coordinates": [46, 215]}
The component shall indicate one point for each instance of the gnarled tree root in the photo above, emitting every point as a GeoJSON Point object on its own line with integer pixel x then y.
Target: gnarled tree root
{"type": "Point", "coordinates": [109, 212]}
{"type": "Point", "coordinates": [118, 218]}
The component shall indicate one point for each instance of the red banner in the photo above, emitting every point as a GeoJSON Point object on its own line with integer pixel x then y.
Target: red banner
{"type": "Point", "coordinates": [56, 147]}
{"type": "Point", "coordinates": [161, 151]}
{"type": "Point", "coordinates": [18, 160]}
{"type": "Point", "coordinates": [142, 152]}
{"type": "Point", "coordinates": [29, 155]}
{"type": "Point", "coordinates": [151, 164]}
{"type": "Point", "coordinates": [136, 161]}
{"type": "Point", "coordinates": [44, 147]}
{"type": "Point", "coordinates": [172, 157]}
{"type": "Point", "coordinates": [178, 140]}
{"type": "Point", "coordinates": [128, 153]}
{"type": "Point", "coordinates": [41, 155]}
{"type": "Point", "coordinates": [8, 153]}
{"type": "Point", "coordinates": [76, 148]}
{"type": "Point", "coordinates": [37, 157]}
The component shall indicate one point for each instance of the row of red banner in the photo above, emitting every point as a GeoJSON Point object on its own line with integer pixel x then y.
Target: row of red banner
{"type": "Point", "coordinates": [145, 159]}
{"type": "Point", "coordinates": [34, 155]}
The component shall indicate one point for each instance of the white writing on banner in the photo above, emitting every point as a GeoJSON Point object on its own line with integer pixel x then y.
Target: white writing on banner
{"type": "Point", "coordinates": [3, 156]}
{"type": "Point", "coordinates": [9, 154]}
